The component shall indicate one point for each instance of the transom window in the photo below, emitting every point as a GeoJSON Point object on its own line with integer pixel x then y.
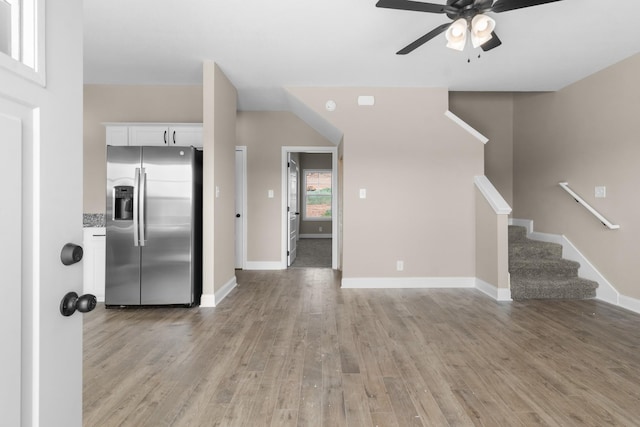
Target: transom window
{"type": "Point", "coordinates": [22, 38]}
{"type": "Point", "coordinates": [317, 194]}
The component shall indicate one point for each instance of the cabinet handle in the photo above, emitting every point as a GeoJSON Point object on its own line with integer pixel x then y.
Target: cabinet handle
{"type": "Point", "coordinates": [174, 137]}
{"type": "Point", "coordinates": [165, 136]}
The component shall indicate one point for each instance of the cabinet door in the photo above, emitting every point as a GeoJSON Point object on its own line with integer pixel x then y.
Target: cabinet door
{"type": "Point", "coordinates": [149, 135]}
{"type": "Point", "coordinates": [186, 135]}
{"type": "Point", "coordinates": [117, 135]}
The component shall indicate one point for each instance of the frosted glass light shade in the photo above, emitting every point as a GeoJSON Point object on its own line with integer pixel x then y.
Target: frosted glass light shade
{"type": "Point", "coordinates": [457, 34]}
{"type": "Point", "coordinates": [481, 28]}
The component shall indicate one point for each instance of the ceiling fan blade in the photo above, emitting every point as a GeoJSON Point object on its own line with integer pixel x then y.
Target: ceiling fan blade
{"type": "Point", "coordinates": [506, 5]}
{"type": "Point", "coordinates": [422, 40]}
{"type": "Point", "coordinates": [416, 6]}
{"type": "Point", "coordinates": [492, 43]}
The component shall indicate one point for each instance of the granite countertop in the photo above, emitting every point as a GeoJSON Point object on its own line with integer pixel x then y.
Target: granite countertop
{"type": "Point", "coordinates": [93, 220]}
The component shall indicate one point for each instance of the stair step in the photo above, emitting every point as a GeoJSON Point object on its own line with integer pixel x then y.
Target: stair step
{"type": "Point", "coordinates": [568, 288]}
{"type": "Point", "coordinates": [517, 233]}
{"type": "Point", "coordinates": [534, 249]}
{"type": "Point", "coordinates": [538, 270]}
{"type": "Point", "coordinates": [543, 268]}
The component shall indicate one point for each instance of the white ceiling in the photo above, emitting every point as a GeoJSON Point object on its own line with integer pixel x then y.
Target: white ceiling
{"type": "Point", "coordinates": [263, 46]}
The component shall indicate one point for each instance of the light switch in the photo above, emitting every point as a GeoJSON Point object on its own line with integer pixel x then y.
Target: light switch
{"type": "Point", "coordinates": [217, 191]}
{"type": "Point", "coordinates": [363, 193]}
{"type": "Point", "coordinates": [600, 192]}
{"type": "Point", "coordinates": [270, 194]}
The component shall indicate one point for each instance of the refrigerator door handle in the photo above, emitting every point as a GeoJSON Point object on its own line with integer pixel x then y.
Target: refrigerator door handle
{"type": "Point", "coordinates": [142, 201]}
{"type": "Point", "coordinates": [136, 186]}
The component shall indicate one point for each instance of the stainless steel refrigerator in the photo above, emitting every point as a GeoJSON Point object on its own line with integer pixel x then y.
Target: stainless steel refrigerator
{"type": "Point", "coordinates": [154, 226]}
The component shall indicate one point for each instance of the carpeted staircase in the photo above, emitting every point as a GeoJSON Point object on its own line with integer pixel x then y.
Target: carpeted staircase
{"type": "Point", "coordinates": [538, 270]}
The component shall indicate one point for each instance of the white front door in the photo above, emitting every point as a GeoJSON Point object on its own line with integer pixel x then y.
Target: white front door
{"type": "Point", "coordinates": [294, 213]}
{"type": "Point", "coordinates": [41, 170]}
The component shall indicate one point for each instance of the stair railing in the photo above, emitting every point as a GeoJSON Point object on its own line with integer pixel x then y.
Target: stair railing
{"type": "Point", "coordinates": [587, 206]}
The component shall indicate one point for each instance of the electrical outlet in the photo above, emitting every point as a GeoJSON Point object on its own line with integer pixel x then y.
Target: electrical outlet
{"type": "Point", "coordinates": [600, 192]}
{"type": "Point", "coordinates": [399, 265]}
{"type": "Point", "coordinates": [320, 229]}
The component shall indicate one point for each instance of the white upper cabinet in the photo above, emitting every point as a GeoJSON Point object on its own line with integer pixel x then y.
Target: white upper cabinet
{"type": "Point", "coordinates": [148, 135]}
{"type": "Point", "coordinates": [160, 134]}
{"type": "Point", "coordinates": [117, 135]}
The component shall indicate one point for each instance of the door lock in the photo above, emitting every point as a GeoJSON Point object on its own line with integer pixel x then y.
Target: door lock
{"type": "Point", "coordinates": [71, 254]}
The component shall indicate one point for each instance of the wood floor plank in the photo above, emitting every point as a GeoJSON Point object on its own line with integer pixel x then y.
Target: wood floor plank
{"type": "Point", "coordinates": [291, 348]}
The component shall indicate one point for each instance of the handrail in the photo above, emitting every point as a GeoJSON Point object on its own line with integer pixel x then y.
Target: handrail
{"type": "Point", "coordinates": [497, 202]}
{"type": "Point", "coordinates": [603, 220]}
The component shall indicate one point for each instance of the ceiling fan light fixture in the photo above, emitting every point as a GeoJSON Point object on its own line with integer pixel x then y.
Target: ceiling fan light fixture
{"type": "Point", "coordinates": [481, 28]}
{"type": "Point", "coordinates": [457, 34]}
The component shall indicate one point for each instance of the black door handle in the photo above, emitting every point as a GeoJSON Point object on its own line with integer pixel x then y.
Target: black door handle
{"type": "Point", "coordinates": [237, 215]}
{"type": "Point", "coordinates": [72, 302]}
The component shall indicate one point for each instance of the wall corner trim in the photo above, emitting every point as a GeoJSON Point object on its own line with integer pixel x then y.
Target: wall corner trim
{"type": "Point", "coordinates": [498, 294]}
{"type": "Point", "coordinates": [207, 300]}
{"type": "Point", "coordinates": [495, 199]}
{"type": "Point", "coordinates": [464, 125]}
{"type": "Point", "coordinates": [211, 300]}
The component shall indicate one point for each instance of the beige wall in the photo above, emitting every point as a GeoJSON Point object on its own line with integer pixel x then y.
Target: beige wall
{"type": "Point", "coordinates": [314, 161]}
{"type": "Point", "coordinates": [491, 114]}
{"type": "Point", "coordinates": [585, 134]}
{"type": "Point", "coordinates": [219, 132]}
{"type": "Point", "coordinates": [417, 167]}
{"type": "Point", "coordinates": [112, 103]}
{"type": "Point", "coordinates": [264, 134]}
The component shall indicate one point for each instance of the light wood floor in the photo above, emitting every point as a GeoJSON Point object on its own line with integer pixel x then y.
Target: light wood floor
{"type": "Point", "coordinates": [291, 348]}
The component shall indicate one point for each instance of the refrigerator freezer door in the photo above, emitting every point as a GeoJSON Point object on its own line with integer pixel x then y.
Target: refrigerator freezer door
{"type": "Point", "coordinates": [122, 276]}
{"type": "Point", "coordinates": [166, 264]}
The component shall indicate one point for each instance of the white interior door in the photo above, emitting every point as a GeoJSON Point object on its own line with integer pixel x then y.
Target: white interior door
{"type": "Point", "coordinates": [293, 210]}
{"type": "Point", "coordinates": [240, 206]}
{"type": "Point", "coordinates": [41, 168]}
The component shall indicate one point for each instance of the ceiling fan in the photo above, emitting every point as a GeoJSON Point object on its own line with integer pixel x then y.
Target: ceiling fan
{"type": "Point", "coordinates": [466, 15]}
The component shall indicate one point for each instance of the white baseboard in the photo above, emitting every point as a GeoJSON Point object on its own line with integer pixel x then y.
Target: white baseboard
{"type": "Point", "coordinates": [211, 300]}
{"type": "Point", "coordinates": [408, 282]}
{"type": "Point", "coordinates": [526, 223]}
{"type": "Point", "coordinates": [264, 265]}
{"type": "Point", "coordinates": [629, 303]}
{"type": "Point", "coordinates": [314, 236]}
{"type": "Point", "coordinates": [498, 294]}
{"type": "Point", "coordinates": [606, 291]}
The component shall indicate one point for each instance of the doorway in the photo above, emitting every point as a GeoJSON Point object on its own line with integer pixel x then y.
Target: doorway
{"type": "Point", "coordinates": [241, 203]}
{"type": "Point", "coordinates": [316, 208]}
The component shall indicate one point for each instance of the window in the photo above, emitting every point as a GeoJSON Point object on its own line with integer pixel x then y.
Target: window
{"type": "Point", "coordinates": [10, 28]}
{"type": "Point", "coordinates": [317, 195]}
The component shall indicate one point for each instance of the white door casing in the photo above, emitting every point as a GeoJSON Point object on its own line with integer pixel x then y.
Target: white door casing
{"type": "Point", "coordinates": [49, 203]}
{"type": "Point", "coordinates": [241, 203]}
{"type": "Point", "coordinates": [292, 209]}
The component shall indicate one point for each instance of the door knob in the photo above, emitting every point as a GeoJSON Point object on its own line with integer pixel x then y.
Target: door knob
{"type": "Point", "coordinates": [72, 302]}
{"type": "Point", "coordinates": [237, 215]}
